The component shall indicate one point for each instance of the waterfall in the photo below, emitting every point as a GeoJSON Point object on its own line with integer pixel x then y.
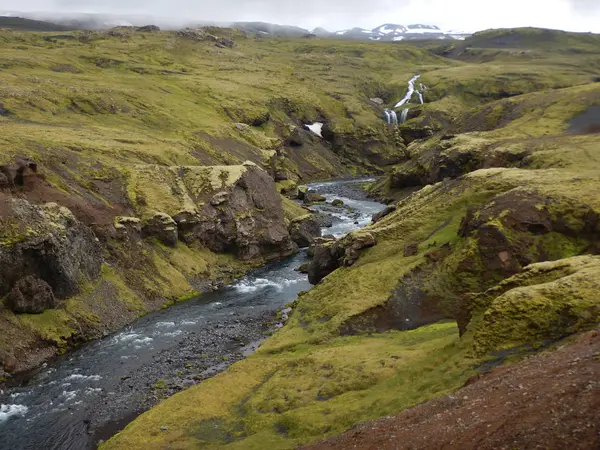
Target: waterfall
{"type": "Point", "coordinates": [411, 91]}
{"type": "Point", "coordinates": [420, 97]}
{"type": "Point", "coordinates": [390, 117]}
{"type": "Point", "coordinates": [404, 115]}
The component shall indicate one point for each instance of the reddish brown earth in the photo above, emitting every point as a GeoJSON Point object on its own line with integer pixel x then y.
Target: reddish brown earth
{"type": "Point", "coordinates": [548, 401]}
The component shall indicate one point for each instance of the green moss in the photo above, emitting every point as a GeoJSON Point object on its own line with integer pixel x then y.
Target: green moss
{"type": "Point", "coordinates": [125, 293]}
{"type": "Point", "coordinates": [299, 396]}
{"type": "Point", "coordinates": [53, 325]}
{"type": "Point", "coordinates": [546, 302]}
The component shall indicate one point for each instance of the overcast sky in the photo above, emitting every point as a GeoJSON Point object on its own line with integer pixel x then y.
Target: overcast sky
{"type": "Point", "coordinates": [467, 15]}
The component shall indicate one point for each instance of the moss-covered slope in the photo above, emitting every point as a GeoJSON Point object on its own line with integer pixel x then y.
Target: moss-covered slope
{"type": "Point", "coordinates": [488, 252]}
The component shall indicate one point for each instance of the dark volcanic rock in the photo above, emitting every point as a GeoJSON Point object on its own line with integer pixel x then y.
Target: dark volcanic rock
{"type": "Point", "coordinates": [304, 230]}
{"type": "Point", "coordinates": [163, 227]}
{"type": "Point", "coordinates": [313, 197]}
{"type": "Point", "coordinates": [246, 219]}
{"type": "Point", "coordinates": [326, 259]}
{"type": "Point", "coordinates": [380, 215]}
{"type": "Point", "coordinates": [30, 295]}
{"type": "Point", "coordinates": [330, 255]}
{"type": "Point", "coordinates": [148, 29]}
{"type": "Point", "coordinates": [20, 172]}
{"type": "Point", "coordinates": [47, 242]}
{"type": "Point", "coordinates": [337, 203]}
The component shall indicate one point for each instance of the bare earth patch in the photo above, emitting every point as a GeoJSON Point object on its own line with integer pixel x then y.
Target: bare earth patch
{"type": "Point", "coordinates": [549, 401]}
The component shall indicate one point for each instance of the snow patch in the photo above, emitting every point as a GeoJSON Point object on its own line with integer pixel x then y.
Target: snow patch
{"type": "Point", "coordinates": [316, 128]}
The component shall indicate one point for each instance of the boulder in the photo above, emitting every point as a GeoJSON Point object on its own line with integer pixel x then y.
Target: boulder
{"type": "Point", "coordinates": [324, 220]}
{"type": "Point", "coordinates": [337, 203]}
{"type": "Point", "coordinates": [4, 181]}
{"type": "Point", "coordinates": [313, 197]}
{"type": "Point", "coordinates": [354, 243]}
{"type": "Point", "coordinates": [377, 100]}
{"type": "Point", "coordinates": [20, 172]}
{"type": "Point", "coordinates": [330, 255]}
{"type": "Point", "coordinates": [326, 259]}
{"type": "Point", "coordinates": [303, 231]}
{"type": "Point", "coordinates": [380, 215]}
{"type": "Point", "coordinates": [30, 295]}
{"type": "Point", "coordinates": [162, 227]}
{"type": "Point", "coordinates": [302, 190]}
{"type": "Point", "coordinates": [303, 268]}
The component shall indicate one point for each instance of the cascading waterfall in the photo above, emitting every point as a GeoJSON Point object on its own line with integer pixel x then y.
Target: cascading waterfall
{"type": "Point", "coordinates": [391, 117]}
{"type": "Point", "coordinates": [404, 115]}
{"type": "Point", "coordinates": [409, 94]}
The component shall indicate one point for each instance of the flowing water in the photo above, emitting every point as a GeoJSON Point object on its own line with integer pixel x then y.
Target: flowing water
{"type": "Point", "coordinates": [54, 409]}
{"type": "Point", "coordinates": [410, 92]}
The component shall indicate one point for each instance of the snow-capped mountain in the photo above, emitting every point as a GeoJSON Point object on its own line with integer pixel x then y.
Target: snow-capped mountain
{"type": "Point", "coordinates": [394, 32]}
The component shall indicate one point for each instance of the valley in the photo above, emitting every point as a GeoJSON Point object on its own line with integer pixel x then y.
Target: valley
{"type": "Point", "coordinates": [168, 177]}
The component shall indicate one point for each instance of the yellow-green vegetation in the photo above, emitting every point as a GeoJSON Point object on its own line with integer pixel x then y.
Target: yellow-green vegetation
{"type": "Point", "coordinates": [546, 301]}
{"type": "Point", "coordinates": [282, 399]}
{"type": "Point", "coordinates": [99, 102]}
{"type": "Point", "coordinates": [506, 203]}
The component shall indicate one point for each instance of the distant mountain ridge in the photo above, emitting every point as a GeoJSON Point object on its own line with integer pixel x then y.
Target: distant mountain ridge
{"type": "Point", "coordinates": [393, 32]}
{"type": "Point", "coordinates": [385, 32]}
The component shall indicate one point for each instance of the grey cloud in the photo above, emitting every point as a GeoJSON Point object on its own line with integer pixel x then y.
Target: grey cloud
{"type": "Point", "coordinates": [282, 11]}
{"type": "Point", "coordinates": [585, 6]}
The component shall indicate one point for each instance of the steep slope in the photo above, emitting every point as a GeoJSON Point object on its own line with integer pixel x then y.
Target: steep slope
{"type": "Point", "coordinates": [154, 155]}
{"type": "Point", "coordinates": [486, 253]}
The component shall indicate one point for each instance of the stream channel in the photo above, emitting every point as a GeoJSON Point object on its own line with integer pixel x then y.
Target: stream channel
{"type": "Point", "coordinates": [91, 393]}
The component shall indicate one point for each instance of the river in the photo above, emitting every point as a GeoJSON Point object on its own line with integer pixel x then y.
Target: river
{"type": "Point", "coordinates": [91, 393]}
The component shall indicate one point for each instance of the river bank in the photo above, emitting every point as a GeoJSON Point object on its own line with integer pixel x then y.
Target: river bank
{"type": "Point", "coordinates": [92, 393]}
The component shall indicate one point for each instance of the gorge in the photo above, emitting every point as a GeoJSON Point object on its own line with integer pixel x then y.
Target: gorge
{"type": "Point", "coordinates": [156, 188]}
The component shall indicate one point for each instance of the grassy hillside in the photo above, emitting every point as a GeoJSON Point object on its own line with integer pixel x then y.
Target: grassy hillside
{"type": "Point", "coordinates": [494, 228]}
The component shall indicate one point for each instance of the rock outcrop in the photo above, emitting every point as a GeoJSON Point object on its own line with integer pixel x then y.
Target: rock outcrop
{"type": "Point", "coordinates": [30, 295]}
{"type": "Point", "coordinates": [304, 230]}
{"type": "Point", "coordinates": [162, 227]}
{"type": "Point", "coordinates": [48, 243]}
{"type": "Point", "coordinates": [330, 255]}
{"type": "Point", "coordinates": [245, 219]}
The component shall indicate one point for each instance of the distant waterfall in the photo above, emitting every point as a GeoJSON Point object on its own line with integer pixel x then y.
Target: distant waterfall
{"type": "Point", "coordinates": [404, 115]}
{"type": "Point", "coordinates": [391, 117]}
{"type": "Point", "coordinates": [411, 91]}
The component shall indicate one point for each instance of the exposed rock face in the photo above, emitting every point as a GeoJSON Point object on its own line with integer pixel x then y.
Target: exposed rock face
{"type": "Point", "coordinates": [163, 227]}
{"type": "Point", "coordinates": [18, 173]}
{"type": "Point", "coordinates": [246, 219]}
{"type": "Point", "coordinates": [354, 243]}
{"type": "Point", "coordinates": [30, 295]}
{"type": "Point", "coordinates": [304, 230]}
{"type": "Point", "coordinates": [46, 242]}
{"type": "Point", "coordinates": [128, 228]}
{"type": "Point", "coordinates": [331, 255]}
{"type": "Point", "coordinates": [326, 259]}
{"type": "Point", "coordinates": [202, 35]}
